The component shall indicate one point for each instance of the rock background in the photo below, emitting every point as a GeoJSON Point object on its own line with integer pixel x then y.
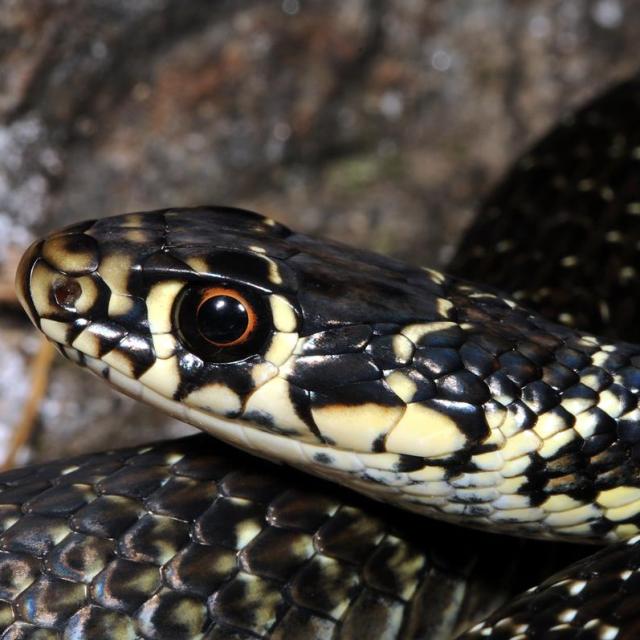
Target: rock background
{"type": "Point", "coordinates": [381, 124]}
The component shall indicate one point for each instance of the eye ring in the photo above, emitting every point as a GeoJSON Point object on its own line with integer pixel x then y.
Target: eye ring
{"type": "Point", "coordinates": [223, 323]}
{"type": "Point", "coordinates": [222, 293]}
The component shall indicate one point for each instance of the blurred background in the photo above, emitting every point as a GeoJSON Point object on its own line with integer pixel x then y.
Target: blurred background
{"type": "Point", "coordinates": [380, 124]}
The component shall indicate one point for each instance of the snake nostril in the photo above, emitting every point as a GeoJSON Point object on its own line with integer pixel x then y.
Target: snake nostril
{"type": "Point", "coordinates": [66, 293]}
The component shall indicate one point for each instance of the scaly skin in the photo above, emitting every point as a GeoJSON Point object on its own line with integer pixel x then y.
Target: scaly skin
{"type": "Point", "coordinates": [405, 384]}
{"type": "Point", "coordinates": [188, 539]}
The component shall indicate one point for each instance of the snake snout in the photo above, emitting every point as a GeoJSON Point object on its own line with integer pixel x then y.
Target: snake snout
{"type": "Point", "coordinates": [56, 282]}
{"type": "Point", "coordinates": [23, 280]}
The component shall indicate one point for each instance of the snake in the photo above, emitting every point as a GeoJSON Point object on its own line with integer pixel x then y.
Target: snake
{"type": "Point", "coordinates": [421, 390]}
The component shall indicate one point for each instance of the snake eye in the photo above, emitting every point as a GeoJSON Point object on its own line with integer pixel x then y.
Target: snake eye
{"type": "Point", "coordinates": [221, 323]}
{"type": "Point", "coordinates": [225, 318]}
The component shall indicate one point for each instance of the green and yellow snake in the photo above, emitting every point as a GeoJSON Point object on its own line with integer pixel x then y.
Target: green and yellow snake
{"type": "Point", "coordinates": [416, 388]}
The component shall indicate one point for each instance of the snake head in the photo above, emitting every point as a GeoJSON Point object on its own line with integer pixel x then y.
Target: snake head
{"type": "Point", "coordinates": [296, 349]}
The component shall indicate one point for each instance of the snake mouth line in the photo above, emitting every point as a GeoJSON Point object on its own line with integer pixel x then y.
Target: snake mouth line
{"type": "Point", "coordinates": [248, 437]}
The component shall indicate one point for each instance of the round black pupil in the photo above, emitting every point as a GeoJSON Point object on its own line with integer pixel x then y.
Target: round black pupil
{"type": "Point", "coordinates": [222, 319]}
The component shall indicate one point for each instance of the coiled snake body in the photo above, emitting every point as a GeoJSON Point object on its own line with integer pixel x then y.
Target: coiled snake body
{"type": "Point", "coordinates": [410, 386]}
